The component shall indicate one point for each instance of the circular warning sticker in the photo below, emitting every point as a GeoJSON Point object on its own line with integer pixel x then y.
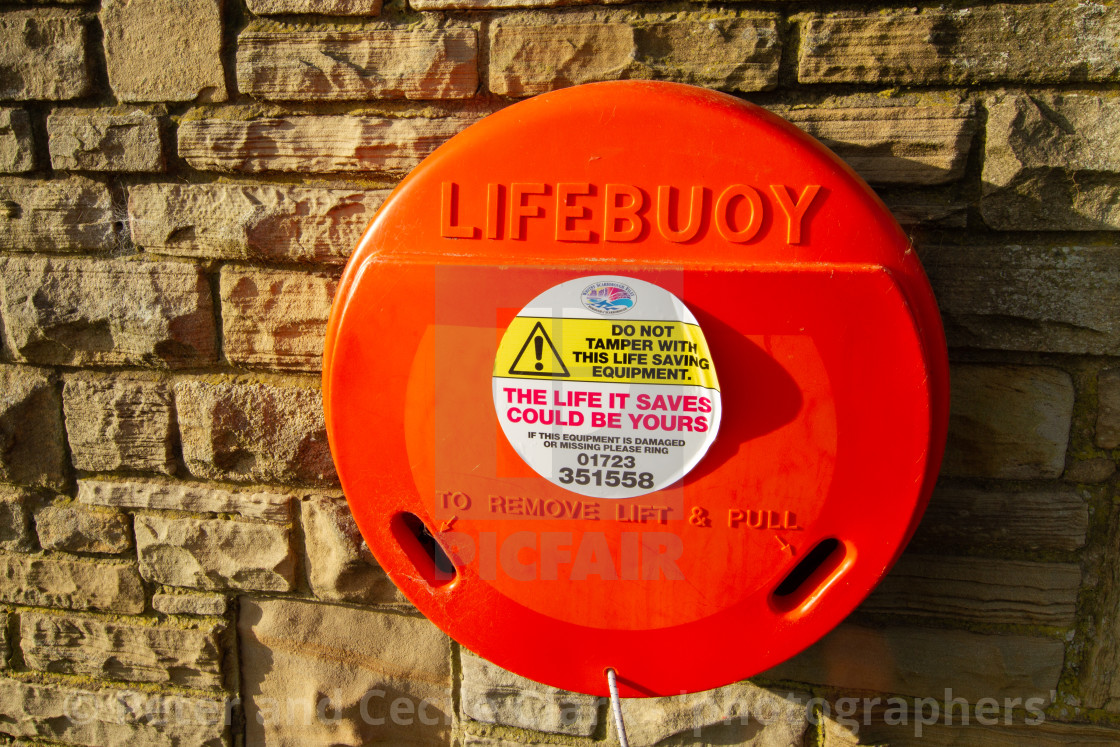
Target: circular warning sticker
{"type": "Point", "coordinates": [604, 385]}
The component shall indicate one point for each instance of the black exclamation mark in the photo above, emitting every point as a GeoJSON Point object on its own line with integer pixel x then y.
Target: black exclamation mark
{"type": "Point", "coordinates": [538, 343]}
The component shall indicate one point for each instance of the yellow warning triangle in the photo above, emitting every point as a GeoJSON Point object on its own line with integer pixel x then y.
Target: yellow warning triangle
{"type": "Point", "coordinates": [538, 356]}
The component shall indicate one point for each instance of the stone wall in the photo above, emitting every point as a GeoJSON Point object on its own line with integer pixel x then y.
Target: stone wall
{"type": "Point", "coordinates": [182, 181]}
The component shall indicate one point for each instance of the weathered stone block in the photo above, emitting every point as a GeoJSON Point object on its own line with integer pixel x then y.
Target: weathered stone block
{"type": "Point", "coordinates": [741, 53]}
{"type": "Point", "coordinates": [15, 141]}
{"type": "Point", "coordinates": [178, 496]}
{"type": "Point", "coordinates": [734, 53]}
{"type": "Point", "coordinates": [495, 696]}
{"type": "Point", "coordinates": [233, 221]}
{"type": "Point", "coordinates": [110, 717]}
{"type": "Point", "coordinates": [989, 727]}
{"type": "Point", "coordinates": [104, 140]}
{"type": "Point", "coordinates": [340, 568]}
{"type": "Point", "coordinates": [925, 207]}
{"type": "Point", "coordinates": [119, 421]}
{"type": "Point", "coordinates": [1108, 408]}
{"type": "Point", "coordinates": [254, 432]}
{"type": "Point", "coordinates": [1009, 422]}
{"type": "Point", "coordinates": [502, 4]}
{"type": "Point", "coordinates": [76, 528]}
{"type": "Point", "coordinates": [314, 144]}
{"type": "Point", "coordinates": [893, 144]}
{"type": "Point", "coordinates": [318, 7]}
{"type": "Point", "coordinates": [189, 604]}
{"type": "Point", "coordinates": [164, 50]}
{"type": "Point", "coordinates": [294, 65]}
{"type": "Point", "coordinates": [1046, 298]}
{"type": "Point", "coordinates": [1090, 471]}
{"type": "Point", "coordinates": [741, 714]}
{"type": "Point", "coordinates": [51, 581]}
{"type": "Point", "coordinates": [71, 213]}
{"type": "Point", "coordinates": [346, 675]}
{"type": "Point", "coordinates": [1052, 42]}
{"type": "Point", "coordinates": [215, 553]}
{"type": "Point", "coordinates": [43, 55]}
{"type": "Point", "coordinates": [1099, 687]}
{"type": "Point", "coordinates": [527, 60]}
{"type": "Point", "coordinates": [924, 662]}
{"type": "Point", "coordinates": [984, 590]}
{"type": "Point", "coordinates": [16, 508]}
{"type": "Point", "coordinates": [77, 311]}
{"type": "Point", "coordinates": [1051, 162]}
{"type": "Point", "coordinates": [275, 318]}
{"type": "Point", "coordinates": [190, 657]}
{"type": "Point", "coordinates": [1035, 520]}
{"type": "Point", "coordinates": [32, 440]}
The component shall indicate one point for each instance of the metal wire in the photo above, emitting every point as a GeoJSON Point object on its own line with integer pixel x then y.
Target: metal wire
{"type": "Point", "coordinates": [616, 708]}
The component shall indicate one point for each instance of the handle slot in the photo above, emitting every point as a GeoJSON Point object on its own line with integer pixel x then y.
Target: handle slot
{"type": "Point", "coordinates": [811, 576]}
{"type": "Point", "coordinates": [423, 549]}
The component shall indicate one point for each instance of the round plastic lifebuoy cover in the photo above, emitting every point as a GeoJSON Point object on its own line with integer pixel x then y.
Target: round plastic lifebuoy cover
{"type": "Point", "coordinates": [635, 375]}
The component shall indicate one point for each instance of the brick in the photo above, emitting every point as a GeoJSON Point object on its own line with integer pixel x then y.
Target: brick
{"type": "Point", "coordinates": [1108, 408]}
{"type": "Point", "coordinates": [32, 439]}
{"type": "Point", "coordinates": [740, 714]}
{"type": "Point", "coordinates": [924, 662]}
{"type": "Point", "coordinates": [492, 695]}
{"type": "Point", "coordinates": [314, 144]}
{"type": "Point", "coordinates": [1048, 43]}
{"type": "Point", "coordinates": [215, 554]}
{"type": "Point", "coordinates": [254, 222]}
{"type": "Point", "coordinates": [1055, 520]}
{"type": "Point", "coordinates": [178, 496]}
{"type": "Point", "coordinates": [43, 55]}
{"type": "Point", "coordinates": [119, 421]}
{"type": "Point", "coordinates": [110, 717]}
{"type": "Point", "coordinates": [1009, 422]}
{"type": "Point", "coordinates": [254, 432]}
{"type": "Point", "coordinates": [1051, 162]}
{"type": "Point", "coordinates": [733, 53]}
{"type": "Point", "coordinates": [190, 657]}
{"type": "Point", "coordinates": [75, 528]}
{"type": "Point", "coordinates": [275, 318]}
{"type": "Point", "coordinates": [1058, 299]}
{"type": "Point", "coordinates": [164, 50]}
{"type": "Point", "coordinates": [291, 64]}
{"type": "Point", "coordinates": [340, 568]}
{"type": "Point", "coordinates": [52, 581]}
{"type": "Point", "coordinates": [326, 661]}
{"type": "Point", "coordinates": [104, 140]}
{"type": "Point", "coordinates": [16, 508]}
{"type": "Point", "coordinates": [318, 7]}
{"type": "Point", "coordinates": [189, 604]}
{"type": "Point", "coordinates": [77, 311]}
{"type": "Point", "coordinates": [15, 141]}
{"type": "Point", "coordinates": [61, 214]}
{"type": "Point", "coordinates": [918, 145]}
{"type": "Point", "coordinates": [984, 590]}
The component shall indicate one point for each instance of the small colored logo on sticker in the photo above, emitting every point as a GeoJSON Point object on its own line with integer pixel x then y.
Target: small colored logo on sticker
{"type": "Point", "coordinates": [608, 297]}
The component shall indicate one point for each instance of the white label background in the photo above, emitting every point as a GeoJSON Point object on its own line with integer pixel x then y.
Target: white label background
{"type": "Point", "coordinates": [589, 455]}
